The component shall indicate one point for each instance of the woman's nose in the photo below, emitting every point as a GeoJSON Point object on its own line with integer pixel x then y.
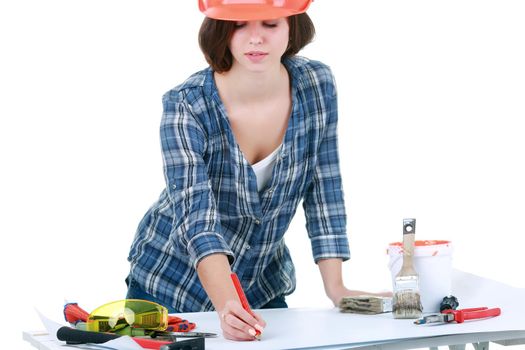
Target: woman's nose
{"type": "Point", "coordinates": [256, 37]}
{"type": "Point", "coordinates": [255, 40]}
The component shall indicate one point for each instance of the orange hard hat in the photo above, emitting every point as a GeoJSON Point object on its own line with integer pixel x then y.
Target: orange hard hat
{"type": "Point", "coordinates": [252, 10]}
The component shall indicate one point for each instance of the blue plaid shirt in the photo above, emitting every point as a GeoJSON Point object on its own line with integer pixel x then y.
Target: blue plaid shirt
{"type": "Point", "coordinates": [211, 203]}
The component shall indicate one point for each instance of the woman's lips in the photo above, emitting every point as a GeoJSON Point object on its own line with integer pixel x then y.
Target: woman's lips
{"type": "Point", "coordinates": [256, 56]}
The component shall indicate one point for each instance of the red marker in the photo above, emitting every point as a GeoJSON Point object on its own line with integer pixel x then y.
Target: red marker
{"type": "Point", "coordinates": [244, 301]}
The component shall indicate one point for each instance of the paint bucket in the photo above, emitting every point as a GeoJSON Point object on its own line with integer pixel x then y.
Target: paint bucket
{"type": "Point", "coordinates": [433, 263]}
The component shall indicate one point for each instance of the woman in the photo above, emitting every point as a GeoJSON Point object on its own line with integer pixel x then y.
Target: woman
{"type": "Point", "coordinates": [243, 142]}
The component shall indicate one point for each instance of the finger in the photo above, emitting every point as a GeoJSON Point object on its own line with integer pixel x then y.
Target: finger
{"type": "Point", "coordinates": [260, 321]}
{"type": "Point", "coordinates": [237, 329]}
{"type": "Point", "coordinates": [244, 315]}
{"type": "Point", "coordinates": [240, 325]}
{"type": "Point", "coordinates": [230, 336]}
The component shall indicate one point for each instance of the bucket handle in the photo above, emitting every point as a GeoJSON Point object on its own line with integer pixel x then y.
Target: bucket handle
{"type": "Point", "coordinates": [393, 261]}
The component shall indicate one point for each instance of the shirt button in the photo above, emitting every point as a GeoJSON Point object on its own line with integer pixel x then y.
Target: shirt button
{"type": "Point", "coordinates": [270, 191]}
{"type": "Point", "coordinates": [248, 247]}
{"type": "Point", "coordinates": [257, 221]}
{"type": "Point", "coordinates": [174, 186]}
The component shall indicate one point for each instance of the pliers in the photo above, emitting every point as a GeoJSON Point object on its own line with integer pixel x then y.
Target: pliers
{"type": "Point", "coordinates": [459, 316]}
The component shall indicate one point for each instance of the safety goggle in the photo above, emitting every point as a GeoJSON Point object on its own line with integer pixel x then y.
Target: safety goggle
{"type": "Point", "coordinates": [135, 313]}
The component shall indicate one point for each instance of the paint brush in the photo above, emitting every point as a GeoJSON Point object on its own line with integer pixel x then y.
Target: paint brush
{"type": "Point", "coordinates": [406, 302]}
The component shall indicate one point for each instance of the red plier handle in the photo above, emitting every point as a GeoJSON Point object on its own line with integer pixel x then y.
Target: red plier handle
{"type": "Point", "coordinates": [469, 314]}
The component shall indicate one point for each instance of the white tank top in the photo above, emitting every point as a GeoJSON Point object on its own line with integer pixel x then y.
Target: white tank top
{"type": "Point", "coordinates": [263, 169]}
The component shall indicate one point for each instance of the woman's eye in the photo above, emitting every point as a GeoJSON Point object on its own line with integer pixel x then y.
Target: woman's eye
{"type": "Point", "coordinates": [240, 24]}
{"type": "Point", "coordinates": [270, 24]}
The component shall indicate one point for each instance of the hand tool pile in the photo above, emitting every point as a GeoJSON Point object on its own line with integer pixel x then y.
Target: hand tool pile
{"type": "Point", "coordinates": [146, 322]}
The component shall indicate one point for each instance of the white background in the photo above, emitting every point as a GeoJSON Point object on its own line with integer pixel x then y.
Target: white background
{"type": "Point", "coordinates": [431, 108]}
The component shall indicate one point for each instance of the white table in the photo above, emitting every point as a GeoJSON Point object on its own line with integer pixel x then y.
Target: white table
{"type": "Point", "coordinates": [331, 329]}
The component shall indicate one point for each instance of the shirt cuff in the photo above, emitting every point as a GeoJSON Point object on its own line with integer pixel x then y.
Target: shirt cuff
{"type": "Point", "coordinates": [330, 246]}
{"type": "Point", "coordinates": [207, 243]}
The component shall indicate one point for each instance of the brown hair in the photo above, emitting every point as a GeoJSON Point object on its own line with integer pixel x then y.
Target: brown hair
{"type": "Point", "coordinates": [215, 35]}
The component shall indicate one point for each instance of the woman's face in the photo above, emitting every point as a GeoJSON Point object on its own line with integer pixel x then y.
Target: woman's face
{"type": "Point", "coordinates": [258, 45]}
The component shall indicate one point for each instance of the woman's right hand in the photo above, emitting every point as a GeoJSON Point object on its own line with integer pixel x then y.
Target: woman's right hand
{"type": "Point", "coordinates": [239, 324]}
{"type": "Point", "coordinates": [236, 323]}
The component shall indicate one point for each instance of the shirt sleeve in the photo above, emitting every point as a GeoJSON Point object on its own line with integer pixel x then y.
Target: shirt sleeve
{"type": "Point", "coordinates": [196, 225]}
{"type": "Point", "coordinates": [324, 199]}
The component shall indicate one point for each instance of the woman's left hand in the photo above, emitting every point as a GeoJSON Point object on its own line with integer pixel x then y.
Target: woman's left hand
{"type": "Point", "coordinates": [331, 271]}
{"type": "Point", "coordinates": [336, 294]}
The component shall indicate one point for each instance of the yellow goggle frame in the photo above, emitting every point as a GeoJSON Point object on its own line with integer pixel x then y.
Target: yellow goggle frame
{"type": "Point", "coordinates": [135, 313]}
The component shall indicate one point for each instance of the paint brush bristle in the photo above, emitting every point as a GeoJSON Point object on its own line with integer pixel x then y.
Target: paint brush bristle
{"type": "Point", "coordinates": [406, 302]}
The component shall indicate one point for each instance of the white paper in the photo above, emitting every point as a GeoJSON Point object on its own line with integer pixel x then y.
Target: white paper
{"type": "Point", "coordinates": [303, 328]}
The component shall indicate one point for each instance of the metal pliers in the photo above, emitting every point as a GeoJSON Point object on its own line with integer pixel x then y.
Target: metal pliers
{"type": "Point", "coordinates": [459, 316]}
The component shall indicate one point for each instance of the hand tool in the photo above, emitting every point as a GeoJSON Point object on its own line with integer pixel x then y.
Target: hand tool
{"type": "Point", "coordinates": [449, 303]}
{"type": "Point", "coordinates": [406, 302]}
{"type": "Point", "coordinates": [459, 316]}
{"type": "Point", "coordinates": [192, 334]}
{"type": "Point", "coordinates": [74, 313]}
{"type": "Point", "coordinates": [163, 335]}
{"type": "Point", "coordinates": [75, 336]}
{"type": "Point", "coordinates": [177, 324]}
{"type": "Point", "coordinates": [190, 344]}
